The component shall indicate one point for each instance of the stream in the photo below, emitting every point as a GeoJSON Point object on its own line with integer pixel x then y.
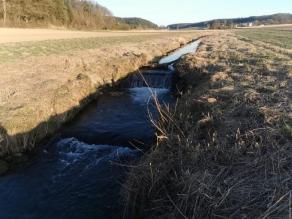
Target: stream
{"type": "Point", "coordinates": [79, 172]}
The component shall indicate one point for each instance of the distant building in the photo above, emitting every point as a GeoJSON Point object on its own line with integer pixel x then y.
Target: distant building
{"type": "Point", "coordinates": [250, 24]}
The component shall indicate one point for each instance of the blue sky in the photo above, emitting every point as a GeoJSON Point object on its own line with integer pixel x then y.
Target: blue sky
{"type": "Point", "coordinates": [165, 12]}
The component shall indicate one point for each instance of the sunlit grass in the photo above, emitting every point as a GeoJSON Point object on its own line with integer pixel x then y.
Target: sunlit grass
{"type": "Point", "coordinates": [281, 37]}
{"type": "Point", "coordinates": [15, 51]}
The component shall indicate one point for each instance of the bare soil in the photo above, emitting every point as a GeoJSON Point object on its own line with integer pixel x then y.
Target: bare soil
{"type": "Point", "coordinates": [12, 35]}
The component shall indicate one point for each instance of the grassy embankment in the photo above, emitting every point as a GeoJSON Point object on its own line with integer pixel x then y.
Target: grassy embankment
{"type": "Point", "coordinates": [225, 150]}
{"type": "Point", "coordinates": [44, 84]}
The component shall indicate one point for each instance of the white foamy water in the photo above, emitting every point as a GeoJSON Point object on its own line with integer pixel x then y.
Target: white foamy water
{"type": "Point", "coordinates": [143, 95]}
{"type": "Point", "coordinates": [71, 150]}
{"type": "Point", "coordinates": [75, 155]}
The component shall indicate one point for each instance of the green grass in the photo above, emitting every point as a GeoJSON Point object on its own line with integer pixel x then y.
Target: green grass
{"type": "Point", "coordinates": [16, 51]}
{"type": "Point", "coordinates": [280, 36]}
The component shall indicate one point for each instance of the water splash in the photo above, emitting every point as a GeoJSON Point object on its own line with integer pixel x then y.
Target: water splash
{"type": "Point", "coordinates": [144, 95]}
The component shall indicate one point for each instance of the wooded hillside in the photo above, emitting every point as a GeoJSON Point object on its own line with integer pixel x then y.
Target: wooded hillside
{"type": "Point", "coordinates": [135, 23]}
{"type": "Point", "coordinates": [280, 18]}
{"type": "Point", "coordinates": [80, 14]}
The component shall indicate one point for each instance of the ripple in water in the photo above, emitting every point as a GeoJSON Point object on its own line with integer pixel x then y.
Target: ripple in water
{"type": "Point", "coordinates": [74, 180]}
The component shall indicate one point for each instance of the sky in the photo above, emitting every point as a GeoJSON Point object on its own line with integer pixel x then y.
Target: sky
{"type": "Point", "coordinates": [164, 12]}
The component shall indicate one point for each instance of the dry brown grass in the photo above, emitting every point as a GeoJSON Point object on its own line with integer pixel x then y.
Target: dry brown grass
{"type": "Point", "coordinates": [225, 150]}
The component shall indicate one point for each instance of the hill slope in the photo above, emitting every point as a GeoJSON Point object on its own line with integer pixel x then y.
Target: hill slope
{"type": "Point", "coordinates": [256, 20]}
{"type": "Point", "coordinates": [86, 14]}
{"type": "Point", "coordinates": [136, 23]}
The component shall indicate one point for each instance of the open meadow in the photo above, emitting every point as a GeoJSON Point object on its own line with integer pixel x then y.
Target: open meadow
{"type": "Point", "coordinates": [17, 43]}
{"type": "Point", "coordinates": [278, 36]}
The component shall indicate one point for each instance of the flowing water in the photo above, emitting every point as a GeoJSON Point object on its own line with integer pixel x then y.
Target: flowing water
{"type": "Point", "coordinates": [190, 48]}
{"type": "Point", "coordinates": [157, 78]}
{"type": "Point", "coordinates": [78, 174]}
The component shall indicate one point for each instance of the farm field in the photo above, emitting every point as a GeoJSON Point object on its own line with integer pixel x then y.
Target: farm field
{"type": "Point", "coordinates": [278, 36]}
{"type": "Point", "coordinates": [23, 43]}
{"type": "Point", "coordinates": [9, 35]}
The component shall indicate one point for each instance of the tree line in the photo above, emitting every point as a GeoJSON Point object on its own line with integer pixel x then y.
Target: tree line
{"type": "Point", "coordinates": [79, 14]}
{"type": "Point", "coordinates": [280, 18]}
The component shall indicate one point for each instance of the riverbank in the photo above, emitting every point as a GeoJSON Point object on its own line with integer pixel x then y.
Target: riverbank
{"type": "Point", "coordinates": [225, 150]}
{"type": "Point", "coordinates": [40, 93]}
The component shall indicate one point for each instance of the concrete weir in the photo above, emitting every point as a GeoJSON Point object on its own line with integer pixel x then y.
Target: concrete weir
{"type": "Point", "coordinates": [150, 78]}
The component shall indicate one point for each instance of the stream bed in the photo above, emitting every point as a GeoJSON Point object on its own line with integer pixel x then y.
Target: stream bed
{"type": "Point", "coordinates": [79, 172]}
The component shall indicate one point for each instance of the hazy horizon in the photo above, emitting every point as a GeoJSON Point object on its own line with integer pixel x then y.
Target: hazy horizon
{"type": "Point", "coordinates": [189, 11]}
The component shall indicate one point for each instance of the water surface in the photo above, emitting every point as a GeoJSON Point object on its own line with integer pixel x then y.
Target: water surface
{"type": "Point", "coordinates": [79, 173]}
{"type": "Point", "coordinates": [188, 49]}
